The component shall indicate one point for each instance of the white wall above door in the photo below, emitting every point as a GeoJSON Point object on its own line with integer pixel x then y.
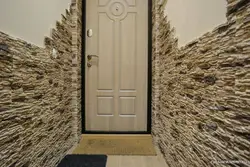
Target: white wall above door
{"type": "Point", "coordinates": [31, 20]}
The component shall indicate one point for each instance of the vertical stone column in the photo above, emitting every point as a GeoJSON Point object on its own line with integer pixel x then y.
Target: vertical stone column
{"type": "Point", "coordinates": [157, 4]}
{"type": "Point", "coordinates": [76, 67]}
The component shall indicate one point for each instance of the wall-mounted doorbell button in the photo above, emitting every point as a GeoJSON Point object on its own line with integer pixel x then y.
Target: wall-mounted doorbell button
{"type": "Point", "coordinates": [90, 32]}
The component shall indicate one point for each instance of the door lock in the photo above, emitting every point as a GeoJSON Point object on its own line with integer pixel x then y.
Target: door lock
{"type": "Point", "coordinates": [89, 64]}
{"type": "Point", "coordinates": [89, 57]}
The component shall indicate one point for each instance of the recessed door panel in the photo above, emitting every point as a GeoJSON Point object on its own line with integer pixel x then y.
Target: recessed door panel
{"type": "Point", "coordinates": [127, 107]}
{"type": "Point", "coordinates": [131, 2]}
{"type": "Point", "coordinates": [128, 52]}
{"type": "Point", "coordinates": [103, 2]}
{"type": "Point", "coordinates": [105, 60]}
{"type": "Point", "coordinates": [105, 106]}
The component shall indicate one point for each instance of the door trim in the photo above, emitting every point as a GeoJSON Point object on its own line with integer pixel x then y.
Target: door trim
{"type": "Point", "coordinates": [149, 93]}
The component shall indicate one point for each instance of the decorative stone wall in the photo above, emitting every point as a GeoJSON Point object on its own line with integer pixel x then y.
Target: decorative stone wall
{"type": "Point", "coordinates": [76, 7]}
{"type": "Point", "coordinates": [202, 110]}
{"type": "Point", "coordinates": [38, 118]}
{"type": "Point", "coordinates": [201, 93]}
{"type": "Point", "coordinates": [156, 13]}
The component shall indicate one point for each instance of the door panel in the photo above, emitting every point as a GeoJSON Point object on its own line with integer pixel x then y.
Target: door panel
{"type": "Point", "coordinates": [128, 52]}
{"type": "Point", "coordinates": [105, 53]}
{"type": "Point", "coordinates": [105, 106]}
{"type": "Point", "coordinates": [116, 78]}
{"type": "Point", "coordinates": [127, 106]}
{"type": "Point", "coordinates": [131, 2]}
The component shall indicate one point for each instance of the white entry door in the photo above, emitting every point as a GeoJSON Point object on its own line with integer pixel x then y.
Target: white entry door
{"type": "Point", "coordinates": [116, 65]}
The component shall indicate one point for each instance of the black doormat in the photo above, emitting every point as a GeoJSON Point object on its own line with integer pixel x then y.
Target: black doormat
{"type": "Point", "coordinates": [83, 161]}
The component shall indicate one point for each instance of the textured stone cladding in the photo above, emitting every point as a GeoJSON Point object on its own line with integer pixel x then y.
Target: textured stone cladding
{"type": "Point", "coordinates": [36, 111]}
{"type": "Point", "coordinates": [76, 7]}
{"type": "Point", "coordinates": [201, 92]}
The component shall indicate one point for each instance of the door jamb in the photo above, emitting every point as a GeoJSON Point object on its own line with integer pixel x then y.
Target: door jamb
{"type": "Point", "coordinates": [149, 92]}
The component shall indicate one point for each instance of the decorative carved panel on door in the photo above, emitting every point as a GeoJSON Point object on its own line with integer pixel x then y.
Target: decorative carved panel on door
{"type": "Point", "coordinates": [105, 2]}
{"type": "Point", "coordinates": [117, 84]}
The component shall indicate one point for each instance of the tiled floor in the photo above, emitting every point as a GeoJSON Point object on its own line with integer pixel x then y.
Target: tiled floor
{"type": "Point", "coordinates": [135, 161]}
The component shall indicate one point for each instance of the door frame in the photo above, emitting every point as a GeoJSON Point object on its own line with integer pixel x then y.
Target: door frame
{"type": "Point", "coordinates": [83, 78]}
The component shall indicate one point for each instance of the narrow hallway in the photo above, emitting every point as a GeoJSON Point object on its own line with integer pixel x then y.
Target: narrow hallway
{"type": "Point", "coordinates": [176, 70]}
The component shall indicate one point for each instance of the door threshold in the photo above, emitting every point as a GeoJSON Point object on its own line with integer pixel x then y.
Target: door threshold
{"type": "Point", "coordinates": [110, 135]}
{"type": "Point", "coordinates": [117, 132]}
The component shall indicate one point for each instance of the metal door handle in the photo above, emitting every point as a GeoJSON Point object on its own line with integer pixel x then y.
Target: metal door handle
{"type": "Point", "coordinates": [90, 56]}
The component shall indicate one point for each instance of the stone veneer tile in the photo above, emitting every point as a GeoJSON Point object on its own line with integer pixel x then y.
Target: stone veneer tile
{"type": "Point", "coordinates": [201, 101]}
{"type": "Point", "coordinates": [39, 122]}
